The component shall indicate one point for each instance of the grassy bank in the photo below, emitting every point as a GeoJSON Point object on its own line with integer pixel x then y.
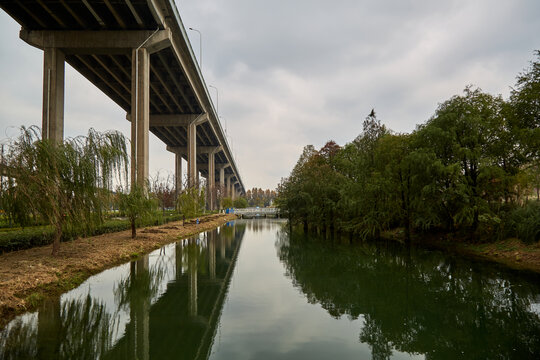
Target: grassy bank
{"type": "Point", "coordinates": [29, 276]}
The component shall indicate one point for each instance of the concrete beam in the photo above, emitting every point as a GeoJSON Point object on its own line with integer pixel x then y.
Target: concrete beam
{"type": "Point", "coordinates": [53, 94]}
{"type": "Point", "coordinates": [223, 166]}
{"type": "Point", "coordinates": [177, 119]}
{"type": "Point", "coordinates": [98, 42]}
{"type": "Point", "coordinates": [200, 149]}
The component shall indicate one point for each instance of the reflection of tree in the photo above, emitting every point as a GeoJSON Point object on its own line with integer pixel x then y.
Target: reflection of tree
{"type": "Point", "coordinates": [86, 330]}
{"type": "Point", "coordinates": [381, 349]}
{"type": "Point", "coordinates": [417, 301]}
{"type": "Point", "coordinates": [19, 340]}
{"type": "Point", "coordinates": [82, 328]}
{"type": "Point", "coordinates": [77, 329]}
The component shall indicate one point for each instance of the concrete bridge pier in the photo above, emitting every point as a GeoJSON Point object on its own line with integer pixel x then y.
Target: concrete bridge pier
{"type": "Point", "coordinates": [211, 184]}
{"type": "Point", "coordinates": [53, 94]}
{"type": "Point", "coordinates": [140, 115]}
{"type": "Point", "coordinates": [192, 172]}
{"type": "Point", "coordinates": [228, 186]}
{"type": "Point", "coordinates": [222, 182]}
{"type": "Point", "coordinates": [177, 174]}
{"type": "Point", "coordinates": [233, 191]}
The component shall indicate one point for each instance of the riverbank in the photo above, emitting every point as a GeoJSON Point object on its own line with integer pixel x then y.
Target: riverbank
{"type": "Point", "coordinates": [512, 252]}
{"type": "Point", "coordinates": [29, 276]}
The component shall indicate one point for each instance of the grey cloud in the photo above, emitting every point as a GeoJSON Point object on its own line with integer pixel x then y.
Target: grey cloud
{"type": "Point", "coordinates": [292, 73]}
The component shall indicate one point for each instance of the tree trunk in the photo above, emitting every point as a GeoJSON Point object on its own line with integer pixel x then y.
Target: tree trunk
{"type": "Point", "coordinates": [133, 229]}
{"type": "Point", "coordinates": [56, 241]}
{"type": "Point", "coordinates": [407, 230]}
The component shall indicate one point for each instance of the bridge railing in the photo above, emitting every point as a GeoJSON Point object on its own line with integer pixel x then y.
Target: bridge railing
{"type": "Point", "coordinates": [257, 211]}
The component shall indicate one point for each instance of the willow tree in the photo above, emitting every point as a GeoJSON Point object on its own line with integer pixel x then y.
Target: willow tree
{"type": "Point", "coordinates": [191, 202]}
{"type": "Point", "coordinates": [137, 205]}
{"type": "Point", "coordinates": [65, 184]}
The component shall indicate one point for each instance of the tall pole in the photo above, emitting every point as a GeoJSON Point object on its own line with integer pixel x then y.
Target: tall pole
{"type": "Point", "coordinates": [200, 46]}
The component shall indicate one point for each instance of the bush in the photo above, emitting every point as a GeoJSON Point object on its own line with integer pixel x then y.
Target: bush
{"type": "Point", "coordinates": [524, 222]}
{"type": "Point", "coordinates": [19, 239]}
{"type": "Point", "coordinates": [25, 238]}
{"type": "Point", "coordinates": [240, 203]}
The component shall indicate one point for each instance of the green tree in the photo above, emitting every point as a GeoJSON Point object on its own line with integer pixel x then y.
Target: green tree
{"type": "Point", "coordinates": [191, 202]}
{"type": "Point", "coordinates": [240, 203]}
{"type": "Point", "coordinates": [66, 184]}
{"type": "Point", "coordinates": [137, 205]}
{"type": "Point", "coordinates": [466, 135]}
{"type": "Point", "coordinates": [226, 203]}
{"type": "Point", "coordinates": [524, 115]}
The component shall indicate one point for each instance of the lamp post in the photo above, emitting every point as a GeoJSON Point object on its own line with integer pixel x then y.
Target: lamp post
{"type": "Point", "coordinates": [200, 46]}
{"type": "Point", "coordinates": [217, 98]}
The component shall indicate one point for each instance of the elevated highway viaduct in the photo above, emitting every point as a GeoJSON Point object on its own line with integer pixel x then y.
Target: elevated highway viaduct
{"type": "Point", "coordinates": [137, 52]}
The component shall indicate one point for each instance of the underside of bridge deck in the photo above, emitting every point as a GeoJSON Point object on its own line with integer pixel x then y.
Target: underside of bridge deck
{"type": "Point", "coordinates": [138, 54]}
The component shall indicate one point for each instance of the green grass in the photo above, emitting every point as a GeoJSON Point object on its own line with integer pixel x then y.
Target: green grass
{"type": "Point", "coordinates": [35, 299]}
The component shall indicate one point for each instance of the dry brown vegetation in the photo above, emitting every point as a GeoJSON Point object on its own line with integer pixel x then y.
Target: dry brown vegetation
{"type": "Point", "coordinates": [28, 276]}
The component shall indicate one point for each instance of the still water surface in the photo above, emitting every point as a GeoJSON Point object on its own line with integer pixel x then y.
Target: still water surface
{"type": "Point", "coordinates": [250, 291]}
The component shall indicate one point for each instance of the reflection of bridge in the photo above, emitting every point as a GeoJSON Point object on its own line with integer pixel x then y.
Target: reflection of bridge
{"type": "Point", "coordinates": [257, 212]}
{"type": "Point", "coordinates": [182, 323]}
{"type": "Point", "coordinates": [167, 305]}
{"type": "Point", "coordinates": [136, 52]}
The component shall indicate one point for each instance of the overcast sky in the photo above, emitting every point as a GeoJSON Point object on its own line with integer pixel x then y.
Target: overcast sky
{"type": "Point", "coordinates": [298, 72]}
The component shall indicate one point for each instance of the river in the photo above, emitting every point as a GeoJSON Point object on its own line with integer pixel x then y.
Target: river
{"type": "Point", "coordinates": [250, 290]}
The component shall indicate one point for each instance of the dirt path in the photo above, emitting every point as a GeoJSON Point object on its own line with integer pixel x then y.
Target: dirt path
{"type": "Point", "coordinates": [28, 276]}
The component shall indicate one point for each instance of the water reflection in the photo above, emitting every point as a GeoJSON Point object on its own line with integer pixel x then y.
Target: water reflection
{"type": "Point", "coordinates": [166, 304]}
{"type": "Point", "coordinates": [416, 301]}
{"type": "Point", "coordinates": [383, 301]}
{"type": "Point", "coordinates": [74, 329]}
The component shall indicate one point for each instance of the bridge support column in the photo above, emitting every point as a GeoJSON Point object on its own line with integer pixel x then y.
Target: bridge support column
{"type": "Point", "coordinates": [192, 155]}
{"type": "Point", "coordinates": [228, 187]}
{"type": "Point", "coordinates": [53, 94]}
{"type": "Point", "coordinates": [140, 115]}
{"type": "Point", "coordinates": [222, 182]}
{"type": "Point", "coordinates": [177, 175]}
{"type": "Point", "coordinates": [233, 191]}
{"type": "Point", "coordinates": [211, 180]}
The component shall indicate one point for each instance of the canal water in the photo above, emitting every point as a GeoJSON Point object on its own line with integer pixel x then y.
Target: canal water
{"type": "Point", "coordinates": [250, 290]}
